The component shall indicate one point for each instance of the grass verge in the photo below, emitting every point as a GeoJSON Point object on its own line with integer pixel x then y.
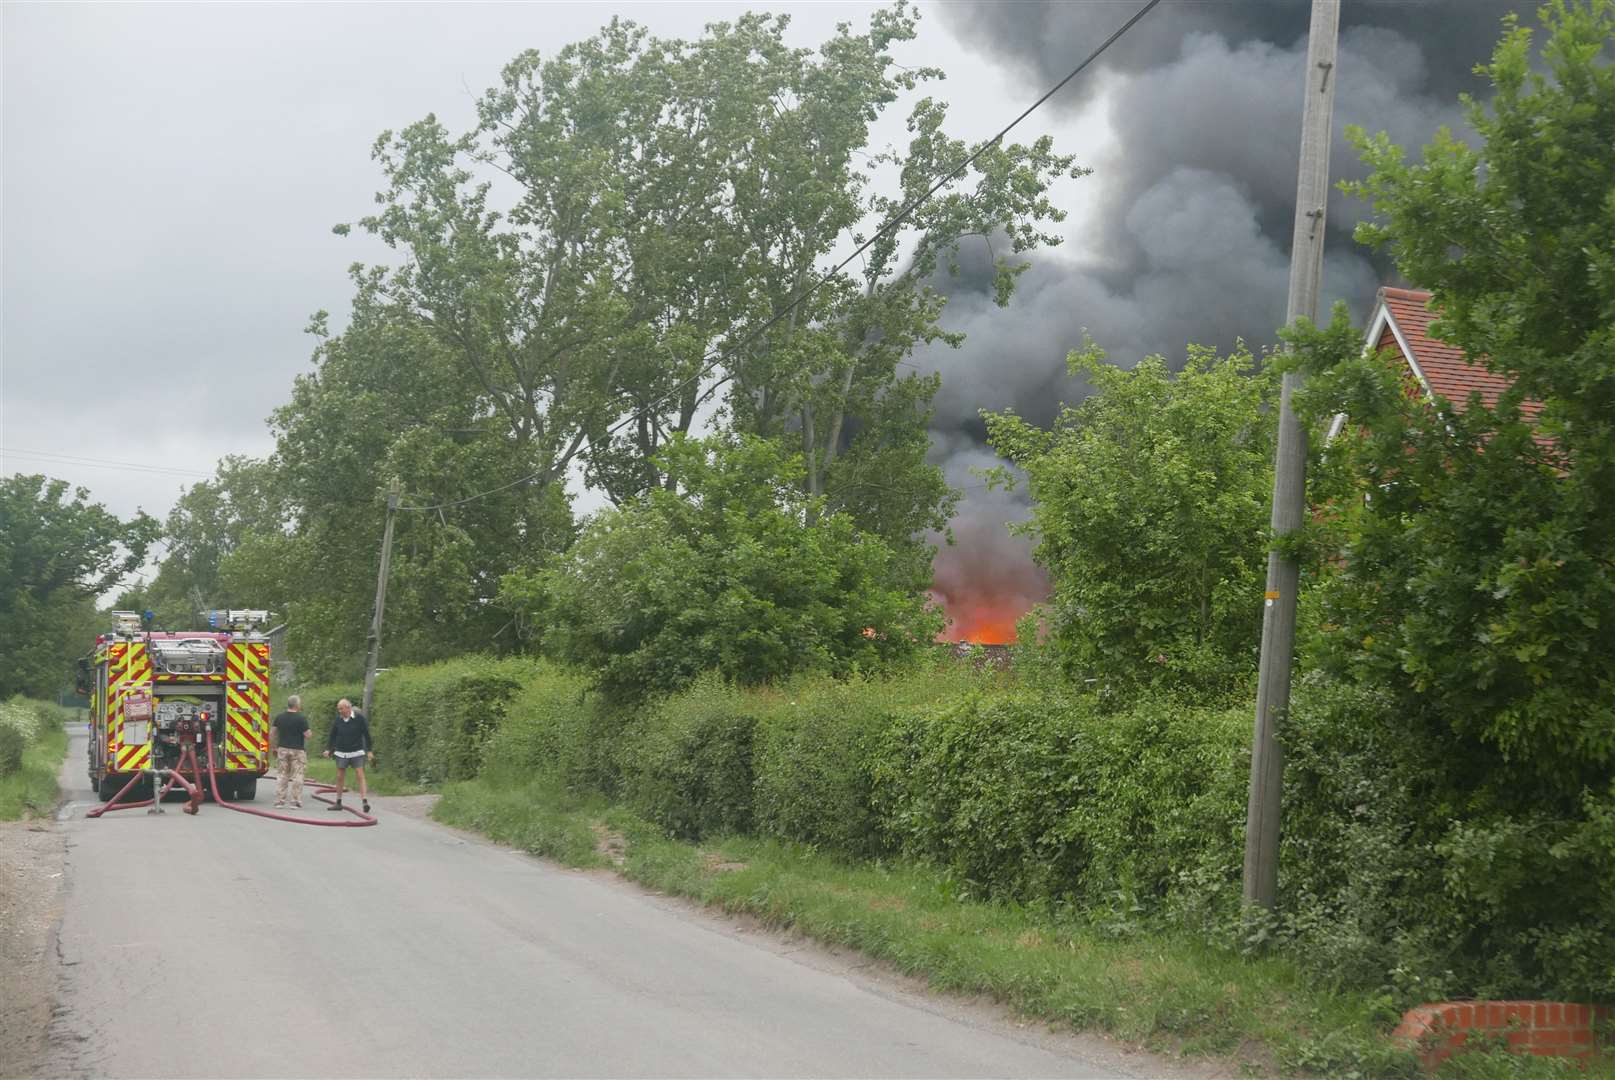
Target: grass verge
{"type": "Point", "coordinates": [539, 818]}
{"type": "Point", "coordinates": [31, 791]}
{"type": "Point", "coordinates": [1162, 990]}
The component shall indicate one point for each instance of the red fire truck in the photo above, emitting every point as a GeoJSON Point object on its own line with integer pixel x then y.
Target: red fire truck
{"type": "Point", "coordinates": [141, 682]}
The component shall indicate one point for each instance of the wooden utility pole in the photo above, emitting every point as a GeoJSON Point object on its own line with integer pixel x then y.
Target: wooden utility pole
{"type": "Point", "coordinates": [1289, 472]}
{"type": "Point", "coordinates": [393, 493]}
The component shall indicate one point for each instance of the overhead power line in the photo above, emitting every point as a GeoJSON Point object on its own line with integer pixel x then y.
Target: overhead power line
{"type": "Point", "coordinates": [99, 463]}
{"type": "Point", "coordinates": [711, 359]}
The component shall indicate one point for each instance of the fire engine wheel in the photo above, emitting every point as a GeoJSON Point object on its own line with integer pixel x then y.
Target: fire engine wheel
{"type": "Point", "coordinates": [108, 787]}
{"type": "Point", "coordinates": [246, 788]}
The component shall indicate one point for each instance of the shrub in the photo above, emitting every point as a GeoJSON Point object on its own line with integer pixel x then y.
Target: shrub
{"type": "Point", "coordinates": [1150, 509]}
{"type": "Point", "coordinates": [22, 722]}
{"type": "Point", "coordinates": [1400, 870]}
{"type": "Point", "coordinates": [17, 727]}
{"type": "Point", "coordinates": [729, 569]}
{"type": "Point", "coordinates": [1044, 797]}
{"type": "Point", "coordinates": [554, 729]}
{"type": "Point", "coordinates": [687, 765]}
{"type": "Point", "coordinates": [816, 745]}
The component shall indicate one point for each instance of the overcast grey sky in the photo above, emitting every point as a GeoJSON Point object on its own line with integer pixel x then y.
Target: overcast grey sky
{"type": "Point", "coordinates": [172, 172]}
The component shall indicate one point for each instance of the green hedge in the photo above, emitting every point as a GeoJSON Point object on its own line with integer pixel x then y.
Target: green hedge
{"type": "Point", "coordinates": [794, 761]}
{"type": "Point", "coordinates": [687, 764]}
{"type": "Point", "coordinates": [1044, 797]}
{"type": "Point", "coordinates": [819, 742]}
{"type": "Point", "coordinates": [428, 724]}
{"type": "Point", "coordinates": [432, 722]}
{"type": "Point", "coordinates": [552, 729]}
{"type": "Point", "coordinates": [1399, 869]}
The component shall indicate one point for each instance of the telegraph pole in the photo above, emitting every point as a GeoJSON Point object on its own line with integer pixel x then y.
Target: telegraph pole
{"type": "Point", "coordinates": [1289, 471]}
{"type": "Point", "coordinates": [393, 493]}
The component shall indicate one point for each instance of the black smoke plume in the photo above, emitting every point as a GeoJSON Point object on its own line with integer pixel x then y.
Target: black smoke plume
{"type": "Point", "coordinates": [1190, 241]}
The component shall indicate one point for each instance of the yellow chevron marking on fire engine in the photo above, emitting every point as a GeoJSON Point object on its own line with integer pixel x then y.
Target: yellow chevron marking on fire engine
{"type": "Point", "coordinates": [115, 693]}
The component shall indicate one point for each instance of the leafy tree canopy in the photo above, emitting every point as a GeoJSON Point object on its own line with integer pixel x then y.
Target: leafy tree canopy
{"type": "Point", "coordinates": [58, 551]}
{"type": "Point", "coordinates": [591, 267]}
{"type": "Point", "coordinates": [1150, 509]}
{"type": "Point", "coordinates": [1479, 574]}
{"type": "Point", "coordinates": [719, 572]}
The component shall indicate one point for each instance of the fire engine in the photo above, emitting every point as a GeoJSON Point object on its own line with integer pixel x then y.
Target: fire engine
{"type": "Point", "coordinates": [142, 684]}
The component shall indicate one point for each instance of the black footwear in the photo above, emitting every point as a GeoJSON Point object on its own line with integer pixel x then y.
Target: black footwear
{"type": "Point", "coordinates": [335, 806]}
{"type": "Point", "coordinates": [366, 804]}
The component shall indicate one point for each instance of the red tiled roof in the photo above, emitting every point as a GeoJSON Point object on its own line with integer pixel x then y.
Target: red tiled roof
{"type": "Point", "coordinates": [1442, 367]}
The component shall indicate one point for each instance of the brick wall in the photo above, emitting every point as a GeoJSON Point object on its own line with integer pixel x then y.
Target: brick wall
{"type": "Point", "coordinates": [1548, 1028]}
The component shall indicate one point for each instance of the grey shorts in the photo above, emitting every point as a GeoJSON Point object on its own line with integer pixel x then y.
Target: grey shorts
{"type": "Point", "coordinates": [354, 762]}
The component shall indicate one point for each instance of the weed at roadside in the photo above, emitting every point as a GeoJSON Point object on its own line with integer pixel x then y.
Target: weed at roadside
{"type": "Point", "coordinates": [32, 790]}
{"type": "Point", "coordinates": [539, 818]}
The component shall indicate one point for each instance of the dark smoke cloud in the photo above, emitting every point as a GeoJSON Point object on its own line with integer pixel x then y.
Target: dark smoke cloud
{"type": "Point", "coordinates": [1190, 240]}
{"type": "Point", "coordinates": [1049, 36]}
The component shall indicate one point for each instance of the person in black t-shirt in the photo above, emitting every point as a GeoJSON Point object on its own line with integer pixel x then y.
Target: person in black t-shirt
{"type": "Point", "coordinates": [291, 755]}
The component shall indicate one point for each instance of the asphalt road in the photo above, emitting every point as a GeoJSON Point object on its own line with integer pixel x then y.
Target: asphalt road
{"type": "Point", "coordinates": [224, 945]}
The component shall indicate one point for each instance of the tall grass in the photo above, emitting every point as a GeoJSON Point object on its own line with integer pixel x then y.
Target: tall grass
{"type": "Point", "coordinates": [33, 744]}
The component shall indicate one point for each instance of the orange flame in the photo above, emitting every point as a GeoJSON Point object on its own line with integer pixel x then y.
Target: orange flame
{"type": "Point", "coordinates": [983, 625]}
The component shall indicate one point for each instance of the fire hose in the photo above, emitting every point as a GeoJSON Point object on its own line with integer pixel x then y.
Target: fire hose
{"type": "Point", "coordinates": [320, 790]}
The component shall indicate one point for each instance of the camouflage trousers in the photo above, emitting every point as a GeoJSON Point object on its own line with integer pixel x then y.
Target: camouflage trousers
{"type": "Point", "coordinates": [291, 764]}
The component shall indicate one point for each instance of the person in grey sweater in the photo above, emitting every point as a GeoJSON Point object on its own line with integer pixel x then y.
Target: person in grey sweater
{"type": "Point", "coordinates": [349, 744]}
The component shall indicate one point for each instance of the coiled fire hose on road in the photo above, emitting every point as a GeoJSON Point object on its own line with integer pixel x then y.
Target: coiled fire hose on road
{"type": "Point", "coordinates": [320, 790]}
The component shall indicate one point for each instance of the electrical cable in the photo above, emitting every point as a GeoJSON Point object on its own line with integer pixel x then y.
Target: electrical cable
{"type": "Point", "coordinates": [710, 360]}
{"type": "Point", "coordinates": [99, 463]}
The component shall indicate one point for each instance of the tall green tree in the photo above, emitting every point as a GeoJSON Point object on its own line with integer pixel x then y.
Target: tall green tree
{"type": "Point", "coordinates": [591, 267]}
{"type": "Point", "coordinates": [1150, 513]}
{"type": "Point", "coordinates": [58, 552]}
{"type": "Point", "coordinates": [385, 402]}
{"type": "Point", "coordinates": [1480, 574]}
{"type": "Point", "coordinates": [1473, 593]}
{"type": "Point", "coordinates": [659, 203]}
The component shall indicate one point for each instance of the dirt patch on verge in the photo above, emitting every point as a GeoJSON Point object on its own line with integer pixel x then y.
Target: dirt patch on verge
{"type": "Point", "coordinates": [609, 844]}
{"type": "Point", "coordinates": [418, 807]}
{"type": "Point", "coordinates": [32, 854]}
{"type": "Point", "coordinates": [717, 864]}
